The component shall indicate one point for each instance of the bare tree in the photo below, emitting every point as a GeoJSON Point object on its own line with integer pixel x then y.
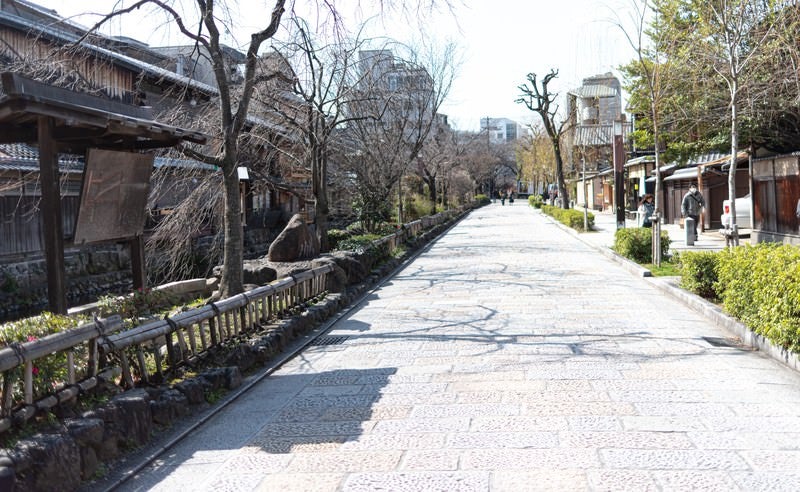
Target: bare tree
{"type": "Point", "coordinates": [233, 102]}
{"type": "Point", "coordinates": [391, 121]}
{"type": "Point", "coordinates": [541, 101]}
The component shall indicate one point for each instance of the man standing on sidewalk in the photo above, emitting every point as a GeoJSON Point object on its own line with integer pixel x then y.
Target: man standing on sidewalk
{"type": "Point", "coordinates": [692, 204]}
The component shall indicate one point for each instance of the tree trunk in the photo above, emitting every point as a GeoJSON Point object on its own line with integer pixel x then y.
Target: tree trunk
{"type": "Point", "coordinates": [431, 182]}
{"type": "Point", "coordinates": [732, 170]}
{"type": "Point", "coordinates": [231, 282]}
{"type": "Point", "coordinates": [319, 173]}
{"type": "Point", "coordinates": [562, 185]}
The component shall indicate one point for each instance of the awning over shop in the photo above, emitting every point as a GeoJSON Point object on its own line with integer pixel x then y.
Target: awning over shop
{"type": "Point", "coordinates": [684, 173]}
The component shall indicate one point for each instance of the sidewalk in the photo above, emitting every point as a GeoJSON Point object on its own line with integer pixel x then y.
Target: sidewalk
{"type": "Point", "coordinates": [605, 224]}
{"type": "Point", "coordinates": [508, 356]}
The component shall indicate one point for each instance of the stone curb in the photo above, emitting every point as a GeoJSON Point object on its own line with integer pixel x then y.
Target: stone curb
{"type": "Point", "coordinates": [735, 327]}
{"type": "Point", "coordinates": [708, 309]}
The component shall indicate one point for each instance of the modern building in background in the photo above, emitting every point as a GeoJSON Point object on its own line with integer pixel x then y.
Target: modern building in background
{"type": "Point", "coordinates": [502, 130]}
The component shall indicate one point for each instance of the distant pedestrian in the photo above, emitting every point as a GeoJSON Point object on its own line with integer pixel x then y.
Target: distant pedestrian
{"type": "Point", "coordinates": [797, 213]}
{"type": "Point", "coordinates": [692, 204]}
{"type": "Point", "coordinates": [502, 198]}
{"type": "Point", "coordinates": [646, 209]}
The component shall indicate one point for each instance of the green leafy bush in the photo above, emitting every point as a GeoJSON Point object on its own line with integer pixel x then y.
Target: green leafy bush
{"type": "Point", "coordinates": [482, 199]}
{"type": "Point", "coordinates": [357, 243]}
{"type": "Point", "coordinates": [637, 243]}
{"type": "Point", "coordinates": [535, 201]}
{"type": "Point", "coordinates": [335, 236]}
{"type": "Point", "coordinates": [47, 371]}
{"type": "Point", "coordinates": [140, 303]}
{"type": "Point", "coordinates": [699, 273]}
{"type": "Point", "coordinates": [760, 285]}
{"type": "Point", "coordinates": [570, 217]}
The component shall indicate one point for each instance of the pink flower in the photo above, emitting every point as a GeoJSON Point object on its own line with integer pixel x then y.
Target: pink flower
{"type": "Point", "coordinates": [31, 338]}
{"type": "Point", "coordinates": [35, 371]}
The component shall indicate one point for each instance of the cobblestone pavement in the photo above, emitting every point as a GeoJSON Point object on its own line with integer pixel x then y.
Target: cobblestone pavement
{"type": "Point", "coordinates": [509, 356]}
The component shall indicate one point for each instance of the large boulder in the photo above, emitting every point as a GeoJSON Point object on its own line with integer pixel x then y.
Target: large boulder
{"type": "Point", "coordinates": [296, 242]}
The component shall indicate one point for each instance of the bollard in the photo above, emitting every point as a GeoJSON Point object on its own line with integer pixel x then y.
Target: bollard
{"type": "Point", "coordinates": [688, 228]}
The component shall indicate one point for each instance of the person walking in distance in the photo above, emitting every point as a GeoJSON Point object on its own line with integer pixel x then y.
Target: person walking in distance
{"type": "Point", "coordinates": [646, 209]}
{"type": "Point", "coordinates": [692, 204]}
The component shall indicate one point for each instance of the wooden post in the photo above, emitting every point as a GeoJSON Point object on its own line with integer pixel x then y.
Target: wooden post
{"type": "Point", "coordinates": [52, 227]}
{"type": "Point", "coordinates": [137, 263]}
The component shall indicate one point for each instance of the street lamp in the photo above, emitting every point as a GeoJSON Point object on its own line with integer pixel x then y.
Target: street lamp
{"type": "Point", "coordinates": [619, 162]}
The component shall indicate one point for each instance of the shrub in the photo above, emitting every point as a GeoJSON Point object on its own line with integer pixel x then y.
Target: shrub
{"type": "Point", "coordinates": [699, 273]}
{"type": "Point", "coordinates": [760, 285]}
{"type": "Point", "coordinates": [47, 371]}
{"type": "Point", "coordinates": [482, 199]}
{"type": "Point", "coordinates": [335, 236]}
{"type": "Point", "coordinates": [535, 201]}
{"type": "Point", "coordinates": [571, 217]}
{"type": "Point", "coordinates": [357, 243]}
{"type": "Point", "coordinates": [637, 243]}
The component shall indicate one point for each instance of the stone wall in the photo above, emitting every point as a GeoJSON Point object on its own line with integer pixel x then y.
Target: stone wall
{"type": "Point", "coordinates": [90, 273]}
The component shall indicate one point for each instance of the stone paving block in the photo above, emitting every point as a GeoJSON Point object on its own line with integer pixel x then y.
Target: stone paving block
{"type": "Point", "coordinates": [409, 399]}
{"type": "Point", "coordinates": [331, 390]}
{"type": "Point", "coordinates": [681, 409]}
{"type": "Point", "coordinates": [663, 424]}
{"type": "Point", "coordinates": [422, 425]}
{"type": "Point", "coordinates": [550, 395]}
{"type": "Point", "coordinates": [429, 460]}
{"type": "Point", "coordinates": [629, 440]}
{"type": "Point", "coordinates": [525, 459]}
{"type": "Point", "coordinates": [489, 440]}
{"type": "Point", "coordinates": [458, 481]}
{"type": "Point", "coordinates": [787, 481]}
{"type": "Point", "coordinates": [479, 376]}
{"type": "Point", "coordinates": [402, 441]}
{"type": "Point", "coordinates": [464, 410]}
{"type": "Point", "coordinates": [480, 397]}
{"type": "Point", "coordinates": [621, 480]}
{"type": "Point", "coordinates": [745, 408]}
{"type": "Point", "coordinates": [315, 428]}
{"type": "Point", "coordinates": [473, 386]}
{"type": "Point", "coordinates": [657, 396]}
{"type": "Point", "coordinates": [345, 461]}
{"type": "Point", "coordinates": [680, 480]}
{"type": "Point", "coordinates": [298, 444]}
{"type": "Point", "coordinates": [540, 480]}
{"type": "Point", "coordinates": [518, 424]}
{"type": "Point", "coordinates": [579, 408]}
{"type": "Point", "coordinates": [598, 423]}
{"type": "Point", "coordinates": [374, 412]}
{"type": "Point", "coordinates": [772, 460]}
{"type": "Point", "coordinates": [748, 424]}
{"type": "Point", "coordinates": [666, 459]}
{"type": "Point", "coordinates": [300, 482]}
{"type": "Point", "coordinates": [404, 388]}
{"type": "Point", "coordinates": [632, 385]}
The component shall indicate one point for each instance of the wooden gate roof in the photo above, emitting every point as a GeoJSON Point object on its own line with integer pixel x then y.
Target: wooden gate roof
{"type": "Point", "coordinates": [81, 120]}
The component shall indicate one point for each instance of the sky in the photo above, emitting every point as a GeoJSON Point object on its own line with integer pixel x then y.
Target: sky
{"type": "Point", "coordinates": [499, 42]}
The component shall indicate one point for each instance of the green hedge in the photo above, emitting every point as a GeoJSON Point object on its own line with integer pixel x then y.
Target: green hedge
{"type": "Point", "coordinates": [570, 216]}
{"type": "Point", "coordinates": [535, 201]}
{"type": "Point", "coordinates": [699, 273]}
{"type": "Point", "coordinates": [482, 199]}
{"type": "Point", "coordinates": [760, 285]}
{"type": "Point", "coordinates": [637, 243]}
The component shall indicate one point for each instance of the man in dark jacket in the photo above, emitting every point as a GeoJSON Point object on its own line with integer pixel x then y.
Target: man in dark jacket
{"type": "Point", "coordinates": [692, 204]}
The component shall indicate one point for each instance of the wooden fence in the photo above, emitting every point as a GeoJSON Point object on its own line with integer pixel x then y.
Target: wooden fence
{"type": "Point", "coordinates": [160, 346]}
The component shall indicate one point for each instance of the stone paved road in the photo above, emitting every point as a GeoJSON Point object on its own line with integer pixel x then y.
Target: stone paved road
{"type": "Point", "coordinates": [510, 356]}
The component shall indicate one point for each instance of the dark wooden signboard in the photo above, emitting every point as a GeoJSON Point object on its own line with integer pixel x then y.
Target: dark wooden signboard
{"type": "Point", "coordinates": [114, 197]}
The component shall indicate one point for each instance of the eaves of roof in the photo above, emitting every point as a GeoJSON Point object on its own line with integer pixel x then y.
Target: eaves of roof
{"type": "Point", "coordinates": [54, 34]}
